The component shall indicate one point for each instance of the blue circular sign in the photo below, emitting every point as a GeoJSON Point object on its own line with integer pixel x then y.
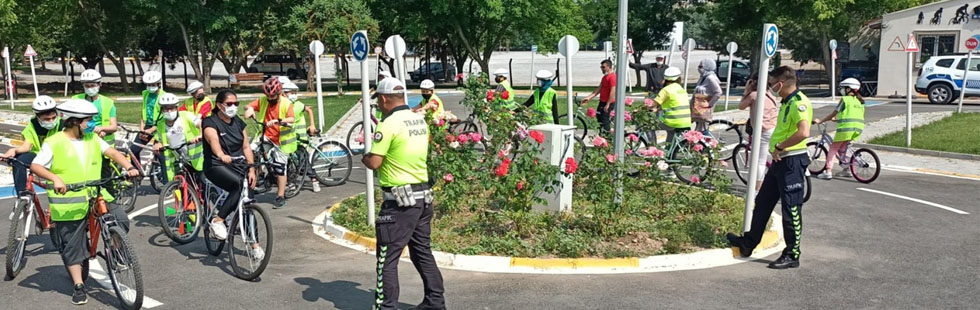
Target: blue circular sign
{"type": "Point", "coordinates": [771, 40]}
{"type": "Point", "coordinates": [359, 46]}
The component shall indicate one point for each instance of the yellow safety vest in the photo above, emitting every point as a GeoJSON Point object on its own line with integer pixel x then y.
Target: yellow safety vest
{"type": "Point", "coordinates": [189, 105]}
{"type": "Point", "coordinates": [106, 107]}
{"type": "Point", "coordinates": [30, 135]}
{"type": "Point", "coordinates": [543, 104]}
{"type": "Point", "coordinates": [195, 152]}
{"type": "Point", "coordinates": [156, 107]}
{"type": "Point", "coordinates": [287, 138]}
{"type": "Point", "coordinates": [850, 121]}
{"type": "Point", "coordinates": [677, 111]}
{"type": "Point", "coordinates": [299, 113]}
{"type": "Point", "coordinates": [509, 103]}
{"type": "Point", "coordinates": [73, 206]}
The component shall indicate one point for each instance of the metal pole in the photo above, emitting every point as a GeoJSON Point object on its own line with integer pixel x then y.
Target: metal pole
{"type": "Point", "coordinates": [10, 79]}
{"type": "Point", "coordinates": [833, 77]}
{"type": "Point", "coordinates": [532, 68]}
{"type": "Point", "coordinates": [620, 90]}
{"type": "Point", "coordinates": [36, 93]}
{"type": "Point", "coordinates": [69, 64]}
{"type": "Point", "coordinates": [728, 84]}
{"type": "Point", "coordinates": [966, 71]}
{"type": "Point", "coordinates": [71, 67]}
{"type": "Point", "coordinates": [908, 103]}
{"type": "Point", "coordinates": [319, 89]}
{"type": "Point", "coordinates": [757, 111]}
{"type": "Point", "coordinates": [670, 53]}
{"type": "Point", "coordinates": [568, 87]}
{"type": "Point", "coordinates": [687, 61]}
{"type": "Point", "coordinates": [368, 135]}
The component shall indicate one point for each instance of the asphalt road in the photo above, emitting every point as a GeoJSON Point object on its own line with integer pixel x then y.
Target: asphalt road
{"type": "Point", "coordinates": [861, 250]}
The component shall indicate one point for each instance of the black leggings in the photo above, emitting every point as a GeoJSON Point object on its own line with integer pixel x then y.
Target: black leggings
{"type": "Point", "coordinates": [229, 180]}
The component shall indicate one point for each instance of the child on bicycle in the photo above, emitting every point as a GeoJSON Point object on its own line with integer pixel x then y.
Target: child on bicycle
{"type": "Point", "coordinates": [301, 112]}
{"type": "Point", "coordinates": [174, 129]}
{"type": "Point", "coordinates": [275, 111]}
{"type": "Point", "coordinates": [79, 159]}
{"type": "Point", "coordinates": [850, 124]}
{"type": "Point", "coordinates": [672, 100]}
{"type": "Point", "coordinates": [770, 112]}
{"type": "Point", "coordinates": [44, 124]}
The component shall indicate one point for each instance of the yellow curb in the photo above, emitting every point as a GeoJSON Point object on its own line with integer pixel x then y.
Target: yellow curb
{"type": "Point", "coordinates": [366, 242]}
{"type": "Point", "coordinates": [573, 263]}
{"type": "Point", "coordinates": [972, 176]}
{"type": "Point", "coordinates": [769, 239]}
{"type": "Point", "coordinates": [334, 207]}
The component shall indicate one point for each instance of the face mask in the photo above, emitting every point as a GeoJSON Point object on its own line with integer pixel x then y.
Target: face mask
{"type": "Point", "coordinates": [172, 115]}
{"type": "Point", "coordinates": [293, 97]}
{"type": "Point", "coordinates": [701, 70]}
{"type": "Point", "coordinates": [774, 90]}
{"type": "Point", "coordinates": [47, 125]}
{"type": "Point", "coordinates": [152, 89]}
{"type": "Point", "coordinates": [545, 84]}
{"type": "Point", "coordinates": [843, 91]}
{"type": "Point", "coordinates": [425, 98]}
{"type": "Point", "coordinates": [92, 91]}
{"type": "Point", "coordinates": [199, 96]}
{"type": "Point", "coordinates": [231, 111]}
{"type": "Point", "coordinates": [88, 127]}
{"type": "Point", "coordinates": [660, 62]}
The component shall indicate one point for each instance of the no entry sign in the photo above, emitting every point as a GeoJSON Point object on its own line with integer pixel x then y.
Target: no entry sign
{"type": "Point", "coordinates": [972, 43]}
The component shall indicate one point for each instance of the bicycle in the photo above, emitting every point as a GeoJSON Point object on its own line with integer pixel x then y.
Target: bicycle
{"type": "Point", "coordinates": [118, 253]}
{"type": "Point", "coordinates": [244, 228]}
{"type": "Point", "coordinates": [355, 136]}
{"type": "Point", "coordinates": [741, 156]}
{"type": "Point", "coordinates": [150, 168]}
{"type": "Point", "coordinates": [683, 158]}
{"type": "Point", "coordinates": [330, 162]}
{"type": "Point", "coordinates": [726, 132]}
{"type": "Point", "coordinates": [25, 214]}
{"type": "Point", "coordinates": [863, 163]}
{"type": "Point", "coordinates": [177, 207]}
{"type": "Point", "coordinates": [265, 149]}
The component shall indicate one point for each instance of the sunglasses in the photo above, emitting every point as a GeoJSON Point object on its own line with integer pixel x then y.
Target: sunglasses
{"type": "Point", "coordinates": [230, 103]}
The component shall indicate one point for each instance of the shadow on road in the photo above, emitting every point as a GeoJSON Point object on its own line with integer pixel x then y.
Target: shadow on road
{"type": "Point", "coordinates": [343, 294]}
{"type": "Point", "coordinates": [194, 251]}
{"type": "Point", "coordinates": [56, 279]}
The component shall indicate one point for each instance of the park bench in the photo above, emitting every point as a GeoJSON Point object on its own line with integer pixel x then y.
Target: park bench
{"type": "Point", "coordinates": [236, 79]}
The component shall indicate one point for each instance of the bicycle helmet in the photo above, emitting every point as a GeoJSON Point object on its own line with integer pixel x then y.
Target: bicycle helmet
{"type": "Point", "coordinates": [272, 87]}
{"type": "Point", "coordinates": [851, 83]}
{"type": "Point", "coordinates": [544, 75]}
{"type": "Point", "coordinates": [290, 86]}
{"type": "Point", "coordinates": [43, 104]}
{"type": "Point", "coordinates": [90, 75]}
{"type": "Point", "coordinates": [194, 86]}
{"type": "Point", "coordinates": [500, 72]}
{"type": "Point", "coordinates": [384, 74]}
{"type": "Point", "coordinates": [672, 73]}
{"type": "Point", "coordinates": [152, 77]}
{"type": "Point", "coordinates": [427, 84]}
{"type": "Point", "coordinates": [168, 99]}
{"type": "Point", "coordinates": [76, 108]}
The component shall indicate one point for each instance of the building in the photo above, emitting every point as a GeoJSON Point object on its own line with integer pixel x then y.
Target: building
{"type": "Point", "coordinates": [940, 28]}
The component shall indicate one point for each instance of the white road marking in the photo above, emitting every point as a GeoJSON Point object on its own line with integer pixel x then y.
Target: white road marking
{"type": "Point", "coordinates": [914, 200]}
{"type": "Point", "coordinates": [913, 170]}
{"type": "Point", "coordinates": [96, 272]}
{"type": "Point", "coordinates": [146, 209]}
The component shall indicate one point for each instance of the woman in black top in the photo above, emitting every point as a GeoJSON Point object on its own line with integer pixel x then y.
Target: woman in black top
{"type": "Point", "coordinates": [224, 138]}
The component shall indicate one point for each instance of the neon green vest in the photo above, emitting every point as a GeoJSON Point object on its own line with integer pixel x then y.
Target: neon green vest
{"type": "Point", "coordinates": [156, 107]}
{"type": "Point", "coordinates": [195, 152]}
{"type": "Point", "coordinates": [189, 106]}
{"type": "Point", "coordinates": [107, 104]}
{"type": "Point", "coordinates": [440, 110]}
{"type": "Point", "coordinates": [73, 206]}
{"type": "Point", "coordinates": [850, 122]}
{"type": "Point", "coordinates": [287, 138]}
{"type": "Point", "coordinates": [30, 135]}
{"type": "Point", "coordinates": [543, 105]}
{"type": "Point", "coordinates": [677, 111]}
{"type": "Point", "coordinates": [509, 103]}
{"type": "Point", "coordinates": [299, 113]}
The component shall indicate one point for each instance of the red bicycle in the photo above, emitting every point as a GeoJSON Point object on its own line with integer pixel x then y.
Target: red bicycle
{"type": "Point", "coordinates": [27, 213]}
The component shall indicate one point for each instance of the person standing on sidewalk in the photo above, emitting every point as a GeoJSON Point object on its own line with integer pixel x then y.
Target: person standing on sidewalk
{"type": "Point", "coordinates": [784, 181]}
{"type": "Point", "coordinates": [102, 123]}
{"type": "Point", "coordinates": [607, 97]}
{"type": "Point", "coordinates": [399, 154]}
{"type": "Point", "coordinates": [769, 112]}
{"type": "Point", "coordinates": [198, 103]}
{"type": "Point", "coordinates": [708, 90]}
{"type": "Point", "coordinates": [655, 75]}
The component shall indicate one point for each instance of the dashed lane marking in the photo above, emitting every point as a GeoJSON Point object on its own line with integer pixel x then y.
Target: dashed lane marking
{"type": "Point", "coordinates": [932, 204]}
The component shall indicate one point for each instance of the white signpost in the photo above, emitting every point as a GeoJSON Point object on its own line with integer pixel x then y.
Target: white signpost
{"type": "Point", "coordinates": [833, 69]}
{"type": "Point", "coordinates": [359, 45]}
{"type": "Point", "coordinates": [568, 46]}
{"type": "Point", "coordinates": [732, 48]}
{"type": "Point", "coordinates": [9, 81]}
{"type": "Point", "coordinates": [395, 46]}
{"type": "Point", "coordinates": [534, 50]}
{"type": "Point", "coordinates": [688, 48]}
{"type": "Point", "coordinates": [316, 47]}
{"type": "Point", "coordinates": [67, 78]}
{"type": "Point", "coordinates": [607, 48]}
{"type": "Point", "coordinates": [770, 42]}
{"type": "Point", "coordinates": [629, 50]}
{"type": "Point", "coordinates": [971, 45]}
{"type": "Point", "coordinates": [30, 53]}
{"type": "Point", "coordinates": [911, 48]}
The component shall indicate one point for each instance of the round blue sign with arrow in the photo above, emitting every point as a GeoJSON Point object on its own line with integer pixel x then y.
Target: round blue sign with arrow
{"type": "Point", "coordinates": [359, 45]}
{"type": "Point", "coordinates": [771, 40]}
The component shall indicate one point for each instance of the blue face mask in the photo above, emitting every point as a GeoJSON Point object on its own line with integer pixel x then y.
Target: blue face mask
{"type": "Point", "coordinates": [90, 126]}
{"type": "Point", "coordinates": [545, 84]}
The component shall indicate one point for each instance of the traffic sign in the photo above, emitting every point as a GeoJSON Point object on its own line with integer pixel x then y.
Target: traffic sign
{"type": "Point", "coordinates": [395, 46]}
{"type": "Point", "coordinates": [378, 50]}
{"type": "Point", "coordinates": [772, 40]}
{"type": "Point", "coordinates": [359, 45]}
{"type": "Point", "coordinates": [689, 45]}
{"type": "Point", "coordinates": [607, 46]}
{"type": "Point", "coordinates": [833, 45]}
{"type": "Point", "coordinates": [629, 46]}
{"type": "Point", "coordinates": [897, 45]}
{"type": "Point", "coordinates": [6, 54]}
{"type": "Point", "coordinates": [568, 46]}
{"type": "Point", "coordinates": [684, 55]}
{"type": "Point", "coordinates": [912, 46]}
{"type": "Point", "coordinates": [732, 48]}
{"type": "Point", "coordinates": [972, 43]}
{"type": "Point", "coordinates": [534, 48]}
{"type": "Point", "coordinates": [316, 47]}
{"type": "Point", "coordinates": [29, 52]}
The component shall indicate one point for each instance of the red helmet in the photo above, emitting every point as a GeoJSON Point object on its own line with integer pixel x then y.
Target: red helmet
{"type": "Point", "coordinates": [272, 87]}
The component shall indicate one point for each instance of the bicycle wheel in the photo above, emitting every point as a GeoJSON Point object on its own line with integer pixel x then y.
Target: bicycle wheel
{"type": "Point", "coordinates": [807, 189]}
{"type": "Point", "coordinates": [214, 245]}
{"type": "Point", "coordinates": [580, 150]}
{"type": "Point", "coordinates": [264, 179]}
{"type": "Point", "coordinates": [463, 126]}
{"type": "Point", "coordinates": [124, 190]}
{"type": "Point", "coordinates": [727, 133]}
{"type": "Point", "coordinates": [123, 268]}
{"type": "Point", "coordinates": [865, 165]}
{"type": "Point", "coordinates": [740, 162]}
{"type": "Point", "coordinates": [355, 140]}
{"type": "Point", "coordinates": [17, 239]}
{"type": "Point", "coordinates": [581, 127]}
{"type": "Point", "coordinates": [294, 176]}
{"type": "Point", "coordinates": [818, 157]}
{"type": "Point", "coordinates": [688, 163]}
{"type": "Point", "coordinates": [154, 176]}
{"type": "Point", "coordinates": [331, 162]}
{"type": "Point", "coordinates": [179, 211]}
{"type": "Point", "coordinates": [254, 230]}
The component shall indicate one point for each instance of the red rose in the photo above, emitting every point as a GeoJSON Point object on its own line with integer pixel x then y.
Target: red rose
{"type": "Point", "coordinates": [490, 95]}
{"type": "Point", "coordinates": [570, 165]}
{"type": "Point", "coordinates": [450, 138]}
{"type": "Point", "coordinates": [505, 95]}
{"type": "Point", "coordinates": [520, 185]}
{"type": "Point", "coordinates": [502, 169]}
{"type": "Point", "coordinates": [537, 136]}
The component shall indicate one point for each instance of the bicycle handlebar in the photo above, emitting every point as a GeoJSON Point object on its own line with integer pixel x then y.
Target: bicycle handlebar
{"type": "Point", "coordinates": [73, 187]}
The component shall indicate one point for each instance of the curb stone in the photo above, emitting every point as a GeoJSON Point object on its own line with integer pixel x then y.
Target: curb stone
{"type": "Point", "coordinates": [772, 243]}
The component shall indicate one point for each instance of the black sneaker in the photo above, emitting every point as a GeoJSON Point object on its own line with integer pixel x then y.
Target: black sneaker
{"type": "Point", "coordinates": [736, 241]}
{"type": "Point", "coordinates": [279, 203]}
{"type": "Point", "coordinates": [785, 262]}
{"type": "Point", "coordinates": [79, 297]}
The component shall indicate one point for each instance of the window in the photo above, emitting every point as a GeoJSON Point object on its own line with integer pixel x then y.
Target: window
{"type": "Point", "coordinates": [936, 45]}
{"type": "Point", "coordinates": [945, 63]}
{"type": "Point", "coordinates": [974, 64]}
{"type": "Point", "coordinates": [739, 65]}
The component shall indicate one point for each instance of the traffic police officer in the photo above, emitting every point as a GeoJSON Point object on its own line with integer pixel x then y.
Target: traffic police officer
{"type": "Point", "coordinates": [784, 181]}
{"type": "Point", "coordinates": [399, 155]}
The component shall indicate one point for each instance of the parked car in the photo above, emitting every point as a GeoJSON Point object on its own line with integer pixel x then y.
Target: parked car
{"type": "Point", "coordinates": [740, 71]}
{"type": "Point", "coordinates": [941, 78]}
{"type": "Point", "coordinates": [438, 72]}
{"type": "Point", "coordinates": [276, 64]}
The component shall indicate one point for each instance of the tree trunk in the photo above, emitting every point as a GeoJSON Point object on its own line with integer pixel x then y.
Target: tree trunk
{"type": "Point", "coordinates": [638, 58]}
{"type": "Point", "coordinates": [338, 73]}
{"type": "Point", "coordinates": [825, 47]}
{"type": "Point", "coordinates": [121, 68]}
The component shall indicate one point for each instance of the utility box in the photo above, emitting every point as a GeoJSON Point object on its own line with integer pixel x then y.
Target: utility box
{"type": "Point", "coordinates": [559, 144]}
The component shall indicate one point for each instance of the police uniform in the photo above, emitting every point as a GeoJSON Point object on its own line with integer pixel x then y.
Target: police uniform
{"type": "Point", "coordinates": [784, 181]}
{"type": "Point", "coordinates": [406, 214]}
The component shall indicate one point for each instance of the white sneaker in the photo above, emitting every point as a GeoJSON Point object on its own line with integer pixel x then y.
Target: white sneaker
{"type": "Point", "coordinates": [258, 254]}
{"type": "Point", "coordinates": [846, 173]}
{"type": "Point", "coordinates": [316, 186]}
{"type": "Point", "coordinates": [825, 176]}
{"type": "Point", "coordinates": [219, 230]}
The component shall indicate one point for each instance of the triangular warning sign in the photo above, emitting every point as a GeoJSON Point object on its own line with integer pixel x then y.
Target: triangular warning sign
{"type": "Point", "coordinates": [896, 45]}
{"type": "Point", "coordinates": [30, 51]}
{"type": "Point", "coordinates": [912, 46]}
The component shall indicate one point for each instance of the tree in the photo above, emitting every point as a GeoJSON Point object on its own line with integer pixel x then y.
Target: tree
{"type": "Point", "coordinates": [332, 22]}
{"type": "Point", "coordinates": [115, 26]}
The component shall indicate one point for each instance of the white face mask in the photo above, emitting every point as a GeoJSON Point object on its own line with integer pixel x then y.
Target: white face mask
{"type": "Point", "coordinates": [231, 111]}
{"type": "Point", "coordinates": [843, 91]}
{"type": "Point", "coordinates": [153, 89]}
{"type": "Point", "coordinates": [92, 91]}
{"type": "Point", "coordinates": [293, 97]}
{"type": "Point", "coordinates": [172, 115]}
{"type": "Point", "coordinates": [47, 125]}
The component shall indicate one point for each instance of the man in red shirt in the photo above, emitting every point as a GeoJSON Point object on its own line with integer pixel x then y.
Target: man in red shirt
{"type": "Point", "coordinates": [270, 105]}
{"type": "Point", "coordinates": [606, 92]}
{"type": "Point", "coordinates": [198, 103]}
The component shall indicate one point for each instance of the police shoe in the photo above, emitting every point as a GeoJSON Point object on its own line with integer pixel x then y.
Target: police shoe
{"type": "Point", "coordinates": [736, 241]}
{"type": "Point", "coordinates": [785, 262]}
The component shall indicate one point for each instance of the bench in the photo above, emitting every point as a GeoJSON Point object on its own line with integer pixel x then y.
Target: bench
{"type": "Point", "coordinates": [236, 79]}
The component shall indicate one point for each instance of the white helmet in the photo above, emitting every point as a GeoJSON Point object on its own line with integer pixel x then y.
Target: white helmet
{"type": "Point", "coordinates": [43, 104]}
{"type": "Point", "coordinates": [851, 83]}
{"type": "Point", "coordinates": [77, 108]}
{"type": "Point", "coordinates": [500, 72]}
{"type": "Point", "coordinates": [90, 75]}
{"type": "Point", "coordinates": [384, 74]}
{"type": "Point", "coordinates": [151, 77]}
{"type": "Point", "coordinates": [427, 84]}
{"type": "Point", "coordinates": [194, 86]}
{"type": "Point", "coordinates": [290, 86]}
{"type": "Point", "coordinates": [544, 75]}
{"type": "Point", "coordinates": [672, 73]}
{"type": "Point", "coordinates": [168, 99]}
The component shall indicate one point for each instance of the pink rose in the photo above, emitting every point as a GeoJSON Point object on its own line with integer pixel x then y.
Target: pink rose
{"type": "Point", "coordinates": [698, 147]}
{"type": "Point", "coordinates": [724, 163]}
{"type": "Point", "coordinates": [537, 136]}
{"type": "Point", "coordinates": [440, 122]}
{"type": "Point", "coordinates": [476, 137]}
{"type": "Point", "coordinates": [633, 137]}
{"type": "Point", "coordinates": [629, 101]}
{"type": "Point", "coordinates": [448, 177]}
{"type": "Point", "coordinates": [570, 165]}
{"type": "Point", "coordinates": [520, 185]}
{"type": "Point", "coordinates": [503, 154]}
{"type": "Point", "coordinates": [648, 102]}
{"type": "Point", "coordinates": [695, 179]}
{"type": "Point", "coordinates": [611, 158]}
{"type": "Point", "coordinates": [648, 164]}
{"type": "Point", "coordinates": [653, 151]}
{"type": "Point", "coordinates": [627, 116]}
{"type": "Point", "coordinates": [713, 142]}
{"type": "Point", "coordinates": [693, 136]}
{"type": "Point", "coordinates": [590, 112]}
{"type": "Point", "coordinates": [628, 152]}
{"type": "Point", "coordinates": [463, 138]}
{"type": "Point", "coordinates": [600, 142]}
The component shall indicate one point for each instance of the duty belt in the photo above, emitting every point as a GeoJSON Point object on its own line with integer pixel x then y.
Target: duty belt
{"type": "Point", "coordinates": [415, 195]}
{"type": "Point", "coordinates": [419, 187]}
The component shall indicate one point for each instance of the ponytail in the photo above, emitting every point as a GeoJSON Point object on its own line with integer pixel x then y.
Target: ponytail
{"type": "Point", "coordinates": [857, 94]}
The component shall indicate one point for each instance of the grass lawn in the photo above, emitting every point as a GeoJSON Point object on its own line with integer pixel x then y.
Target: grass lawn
{"type": "Point", "coordinates": [959, 133]}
